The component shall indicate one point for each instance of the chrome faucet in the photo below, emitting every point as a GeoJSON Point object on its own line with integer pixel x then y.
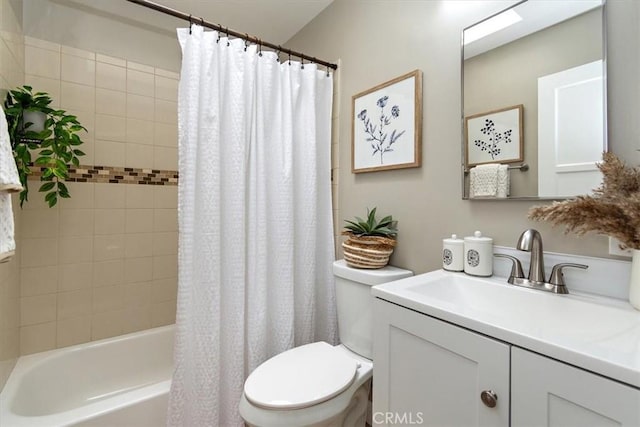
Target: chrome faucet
{"type": "Point", "coordinates": [531, 241]}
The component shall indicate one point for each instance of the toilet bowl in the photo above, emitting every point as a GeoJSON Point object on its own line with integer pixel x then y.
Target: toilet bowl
{"type": "Point", "coordinates": [319, 384]}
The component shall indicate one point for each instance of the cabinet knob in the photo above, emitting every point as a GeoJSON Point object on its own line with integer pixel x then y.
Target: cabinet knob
{"type": "Point", "coordinates": [489, 398]}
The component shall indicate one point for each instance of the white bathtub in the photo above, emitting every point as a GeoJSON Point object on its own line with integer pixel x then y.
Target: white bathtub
{"type": "Point", "coordinates": [121, 381]}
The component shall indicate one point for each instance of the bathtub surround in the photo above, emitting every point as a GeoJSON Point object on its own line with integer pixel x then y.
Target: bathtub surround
{"type": "Point", "coordinates": [256, 238]}
{"type": "Point", "coordinates": [103, 262]}
{"type": "Point", "coordinates": [11, 75]}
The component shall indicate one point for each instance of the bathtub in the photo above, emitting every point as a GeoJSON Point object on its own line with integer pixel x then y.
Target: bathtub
{"type": "Point", "coordinates": [121, 381]}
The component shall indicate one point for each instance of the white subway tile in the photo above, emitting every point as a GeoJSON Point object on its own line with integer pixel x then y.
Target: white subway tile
{"type": "Point", "coordinates": [78, 70]}
{"type": "Point", "coordinates": [42, 44]}
{"type": "Point", "coordinates": [166, 111]}
{"type": "Point", "coordinates": [111, 102]}
{"type": "Point", "coordinates": [107, 247]}
{"type": "Point", "coordinates": [37, 338]}
{"type": "Point", "coordinates": [111, 60]}
{"type": "Point", "coordinates": [140, 107]}
{"type": "Point", "coordinates": [109, 196]}
{"type": "Point", "coordinates": [165, 134]}
{"type": "Point", "coordinates": [110, 76]}
{"type": "Point", "coordinates": [109, 221]}
{"type": "Point", "coordinates": [139, 156]}
{"type": "Point", "coordinates": [110, 128]}
{"type": "Point", "coordinates": [140, 83]}
{"type": "Point", "coordinates": [140, 67]}
{"type": "Point", "coordinates": [165, 158]}
{"type": "Point", "coordinates": [74, 250]}
{"type": "Point", "coordinates": [139, 220]}
{"type": "Point", "coordinates": [166, 88]}
{"type": "Point", "coordinates": [140, 131]}
{"type": "Point", "coordinates": [77, 97]}
{"type": "Point", "coordinates": [139, 196]}
{"type": "Point", "coordinates": [78, 52]}
{"type": "Point", "coordinates": [138, 269]}
{"type": "Point", "coordinates": [74, 303]}
{"type": "Point", "coordinates": [42, 62]}
{"type": "Point", "coordinates": [37, 309]}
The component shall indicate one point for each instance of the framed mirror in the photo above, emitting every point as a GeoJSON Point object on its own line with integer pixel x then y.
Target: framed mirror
{"type": "Point", "coordinates": [534, 101]}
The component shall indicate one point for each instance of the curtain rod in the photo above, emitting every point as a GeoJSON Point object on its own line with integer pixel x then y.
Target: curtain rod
{"type": "Point", "coordinates": [228, 32]}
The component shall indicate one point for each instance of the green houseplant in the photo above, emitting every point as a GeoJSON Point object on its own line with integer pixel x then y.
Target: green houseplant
{"type": "Point", "coordinates": [369, 242]}
{"type": "Point", "coordinates": [55, 147]}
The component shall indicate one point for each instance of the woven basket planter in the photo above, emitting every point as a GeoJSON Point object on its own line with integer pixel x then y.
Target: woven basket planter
{"type": "Point", "coordinates": [367, 251]}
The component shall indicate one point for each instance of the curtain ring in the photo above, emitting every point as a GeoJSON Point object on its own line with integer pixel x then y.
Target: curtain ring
{"type": "Point", "coordinates": [278, 51]}
{"type": "Point", "coordinates": [202, 21]}
{"type": "Point", "coordinates": [227, 31]}
{"type": "Point", "coordinates": [289, 58]}
{"type": "Point", "coordinates": [190, 23]}
{"type": "Point", "coordinates": [302, 61]}
{"type": "Point", "coordinates": [260, 47]}
{"type": "Point", "coordinates": [327, 71]}
{"type": "Point", "coordinates": [246, 41]}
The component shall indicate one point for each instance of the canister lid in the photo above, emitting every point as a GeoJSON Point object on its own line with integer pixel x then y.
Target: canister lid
{"type": "Point", "coordinates": [453, 240]}
{"type": "Point", "coordinates": [478, 238]}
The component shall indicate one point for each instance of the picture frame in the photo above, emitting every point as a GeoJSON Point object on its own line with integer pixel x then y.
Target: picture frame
{"type": "Point", "coordinates": [495, 136]}
{"type": "Point", "coordinates": [386, 125]}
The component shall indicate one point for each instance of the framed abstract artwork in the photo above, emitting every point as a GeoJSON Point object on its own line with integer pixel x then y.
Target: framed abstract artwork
{"type": "Point", "coordinates": [494, 137]}
{"type": "Point", "coordinates": [386, 125]}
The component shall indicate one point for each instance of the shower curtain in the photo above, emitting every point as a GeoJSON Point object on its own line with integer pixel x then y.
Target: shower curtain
{"type": "Point", "coordinates": [255, 220]}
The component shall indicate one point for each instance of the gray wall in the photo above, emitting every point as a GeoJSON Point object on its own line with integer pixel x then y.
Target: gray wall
{"type": "Point", "coordinates": [379, 40]}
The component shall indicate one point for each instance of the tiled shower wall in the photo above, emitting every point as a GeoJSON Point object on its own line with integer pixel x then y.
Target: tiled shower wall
{"type": "Point", "coordinates": [103, 262]}
{"type": "Point", "coordinates": [11, 75]}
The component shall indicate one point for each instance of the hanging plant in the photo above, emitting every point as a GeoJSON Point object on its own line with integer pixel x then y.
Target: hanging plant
{"type": "Point", "coordinates": [55, 145]}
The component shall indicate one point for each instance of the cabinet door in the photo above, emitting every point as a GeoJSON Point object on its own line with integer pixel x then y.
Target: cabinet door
{"type": "Point", "coordinates": [545, 392]}
{"type": "Point", "coordinates": [431, 373]}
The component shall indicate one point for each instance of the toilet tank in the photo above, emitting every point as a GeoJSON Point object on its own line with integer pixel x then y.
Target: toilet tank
{"type": "Point", "coordinates": [355, 303]}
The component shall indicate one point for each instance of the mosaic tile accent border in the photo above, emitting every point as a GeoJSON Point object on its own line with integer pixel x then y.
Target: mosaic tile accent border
{"type": "Point", "coordinates": [118, 175]}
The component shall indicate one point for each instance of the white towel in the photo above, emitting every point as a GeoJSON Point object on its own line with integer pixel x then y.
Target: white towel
{"type": "Point", "coordinates": [490, 180]}
{"type": "Point", "coordinates": [9, 183]}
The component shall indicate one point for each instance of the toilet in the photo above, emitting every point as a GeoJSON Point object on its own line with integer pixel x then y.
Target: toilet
{"type": "Point", "coordinates": [319, 384]}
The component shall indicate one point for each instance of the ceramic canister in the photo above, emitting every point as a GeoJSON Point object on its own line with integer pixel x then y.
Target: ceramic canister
{"type": "Point", "coordinates": [453, 254]}
{"type": "Point", "coordinates": [478, 255]}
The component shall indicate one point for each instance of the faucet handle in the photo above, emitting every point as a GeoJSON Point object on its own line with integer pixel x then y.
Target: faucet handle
{"type": "Point", "coordinates": [516, 267]}
{"type": "Point", "coordinates": [557, 277]}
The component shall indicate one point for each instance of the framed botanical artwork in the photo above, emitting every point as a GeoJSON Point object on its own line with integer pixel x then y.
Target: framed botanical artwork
{"type": "Point", "coordinates": [494, 137]}
{"type": "Point", "coordinates": [386, 125]}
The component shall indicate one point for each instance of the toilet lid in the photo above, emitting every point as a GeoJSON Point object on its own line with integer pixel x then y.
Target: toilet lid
{"type": "Point", "coordinates": [301, 377]}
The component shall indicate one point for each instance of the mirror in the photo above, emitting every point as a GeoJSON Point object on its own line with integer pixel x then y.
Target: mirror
{"type": "Point", "coordinates": [534, 101]}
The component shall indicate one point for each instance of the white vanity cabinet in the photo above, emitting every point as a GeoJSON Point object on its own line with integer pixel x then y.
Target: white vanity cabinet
{"type": "Point", "coordinates": [435, 372]}
{"type": "Point", "coordinates": [545, 392]}
{"type": "Point", "coordinates": [431, 371]}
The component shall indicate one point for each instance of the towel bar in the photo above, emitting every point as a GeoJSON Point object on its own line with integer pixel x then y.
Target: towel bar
{"type": "Point", "coordinates": [523, 168]}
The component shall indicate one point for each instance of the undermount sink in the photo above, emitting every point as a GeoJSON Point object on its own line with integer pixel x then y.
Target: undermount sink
{"type": "Point", "coordinates": [595, 333]}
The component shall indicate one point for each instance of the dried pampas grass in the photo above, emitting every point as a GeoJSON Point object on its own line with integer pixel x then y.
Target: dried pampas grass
{"type": "Point", "coordinates": [613, 209]}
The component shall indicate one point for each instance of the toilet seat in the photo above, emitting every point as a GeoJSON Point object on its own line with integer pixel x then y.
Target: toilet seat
{"type": "Point", "coordinates": [301, 377]}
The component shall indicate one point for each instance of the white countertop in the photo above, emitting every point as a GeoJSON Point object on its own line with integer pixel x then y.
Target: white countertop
{"type": "Point", "coordinates": [595, 333]}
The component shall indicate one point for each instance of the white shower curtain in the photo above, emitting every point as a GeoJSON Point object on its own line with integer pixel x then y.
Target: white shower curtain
{"type": "Point", "coordinates": [255, 220]}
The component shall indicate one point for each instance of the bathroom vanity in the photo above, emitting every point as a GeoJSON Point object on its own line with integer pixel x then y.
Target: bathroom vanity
{"type": "Point", "coordinates": [456, 350]}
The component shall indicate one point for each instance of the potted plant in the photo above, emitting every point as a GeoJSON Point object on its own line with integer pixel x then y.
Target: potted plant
{"type": "Point", "coordinates": [613, 209]}
{"type": "Point", "coordinates": [54, 143]}
{"type": "Point", "coordinates": [369, 243]}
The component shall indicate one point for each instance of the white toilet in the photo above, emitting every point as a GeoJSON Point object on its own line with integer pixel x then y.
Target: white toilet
{"type": "Point", "coordinates": [318, 384]}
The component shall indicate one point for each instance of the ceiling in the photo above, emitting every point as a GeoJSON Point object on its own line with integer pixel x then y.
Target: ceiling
{"type": "Point", "coordinates": [275, 21]}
